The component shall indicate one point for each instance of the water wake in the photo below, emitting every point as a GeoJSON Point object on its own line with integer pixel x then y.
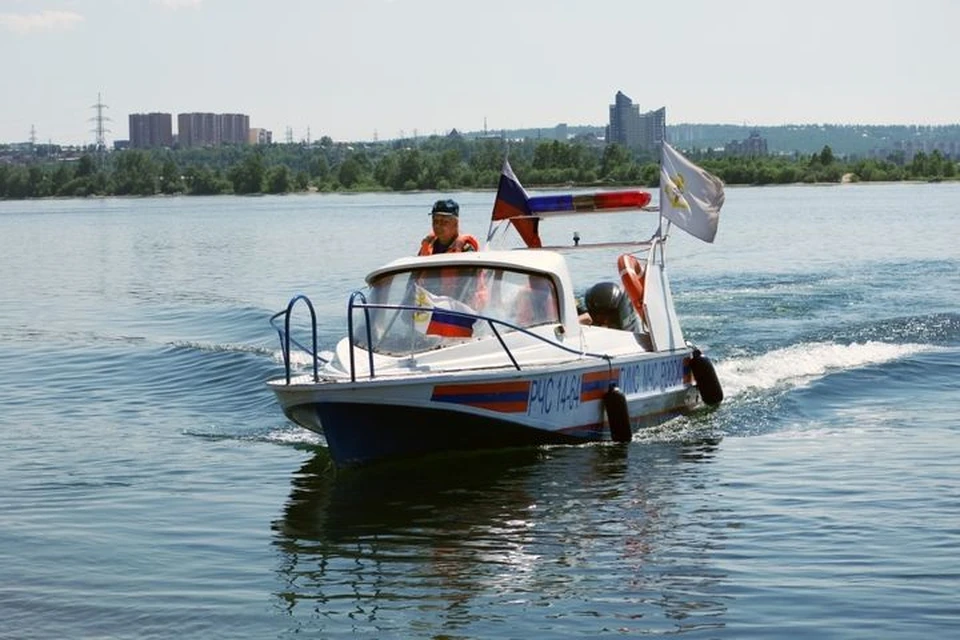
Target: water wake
{"type": "Point", "coordinates": [226, 348]}
{"type": "Point", "coordinates": [799, 364]}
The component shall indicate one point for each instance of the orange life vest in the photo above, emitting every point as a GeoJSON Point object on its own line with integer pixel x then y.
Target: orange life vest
{"type": "Point", "coordinates": [459, 245]}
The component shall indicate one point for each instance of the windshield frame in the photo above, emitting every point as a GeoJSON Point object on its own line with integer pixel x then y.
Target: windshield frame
{"type": "Point", "coordinates": [455, 293]}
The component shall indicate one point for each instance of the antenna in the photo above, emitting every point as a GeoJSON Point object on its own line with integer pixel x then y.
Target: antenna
{"type": "Point", "coordinates": [99, 130]}
{"type": "Point", "coordinates": [33, 136]}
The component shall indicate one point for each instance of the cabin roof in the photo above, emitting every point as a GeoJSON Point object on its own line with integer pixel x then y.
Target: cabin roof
{"type": "Point", "coordinates": [548, 262]}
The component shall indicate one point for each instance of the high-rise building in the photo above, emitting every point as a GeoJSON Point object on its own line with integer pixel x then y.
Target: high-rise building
{"type": "Point", "coordinates": [211, 129]}
{"type": "Point", "coordinates": [150, 130]}
{"type": "Point", "coordinates": [653, 129]}
{"type": "Point", "coordinates": [258, 135]}
{"type": "Point", "coordinates": [624, 127]}
{"type": "Point", "coordinates": [197, 129]}
{"type": "Point", "coordinates": [234, 128]}
{"type": "Point", "coordinates": [755, 145]}
{"type": "Point", "coordinates": [631, 129]}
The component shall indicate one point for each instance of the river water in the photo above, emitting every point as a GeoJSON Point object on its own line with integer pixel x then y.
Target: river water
{"type": "Point", "coordinates": [151, 488]}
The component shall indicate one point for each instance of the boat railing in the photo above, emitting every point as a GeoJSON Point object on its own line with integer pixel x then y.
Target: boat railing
{"type": "Point", "coordinates": [286, 339]}
{"type": "Point", "coordinates": [351, 304]}
{"type": "Point", "coordinates": [496, 325]}
{"type": "Point", "coordinates": [492, 322]}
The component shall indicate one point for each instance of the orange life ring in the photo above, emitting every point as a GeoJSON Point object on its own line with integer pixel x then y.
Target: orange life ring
{"type": "Point", "coordinates": [631, 274]}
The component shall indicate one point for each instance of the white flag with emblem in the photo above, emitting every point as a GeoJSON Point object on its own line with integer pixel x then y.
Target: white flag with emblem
{"type": "Point", "coordinates": [689, 196]}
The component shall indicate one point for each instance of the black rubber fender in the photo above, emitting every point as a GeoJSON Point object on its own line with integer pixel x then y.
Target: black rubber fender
{"type": "Point", "coordinates": [618, 417]}
{"type": "Point", "coordinates": [706, 378]}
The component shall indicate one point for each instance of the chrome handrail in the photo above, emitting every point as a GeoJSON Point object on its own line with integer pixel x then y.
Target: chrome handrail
{"type": "Point", "coordinates": [286, 339]}
{"type": "Point", "coordinates": [366, 323]}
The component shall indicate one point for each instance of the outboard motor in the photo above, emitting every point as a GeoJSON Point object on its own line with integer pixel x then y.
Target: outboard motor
{"type": "Point", "coordinates": [604, 301]}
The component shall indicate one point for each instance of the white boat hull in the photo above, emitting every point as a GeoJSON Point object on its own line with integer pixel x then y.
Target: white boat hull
{"type": "Point", "coordinates": [389, 417]}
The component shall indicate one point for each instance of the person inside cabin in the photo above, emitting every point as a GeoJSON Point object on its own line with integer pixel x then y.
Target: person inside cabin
{"type": "Point", "coordinates": [605, 306]}
{"type": "Point", "coordinates": [537, 302]}
{"type": "Point", "coordinates": [446, 236]}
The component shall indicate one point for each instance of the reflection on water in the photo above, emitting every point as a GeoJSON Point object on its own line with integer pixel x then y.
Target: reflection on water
{"type": "Point", "coordinates": [447, 542]}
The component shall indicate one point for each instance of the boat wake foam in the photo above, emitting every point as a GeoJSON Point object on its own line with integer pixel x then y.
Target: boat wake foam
{"type": "Point", "coordinates": [286, 435]}
{"type": "Point", "coordinates": [797, 365]}
{"type": "Point", "coordinates": [295, 436]}
{"type": "Point", "coordinates": [226, 348]}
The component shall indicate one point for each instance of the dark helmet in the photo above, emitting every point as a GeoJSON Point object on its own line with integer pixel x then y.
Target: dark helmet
{"type": "Point", "coordinates": [603, 302]}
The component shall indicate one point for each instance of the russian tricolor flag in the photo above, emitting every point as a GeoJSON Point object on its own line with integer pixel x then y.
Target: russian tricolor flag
{"type": "Point", "coordinates": [449, 325]}
{"type": "Point", "coordinates": [512, 203]}
{"type": "Point", "coordinates": [437, 318]}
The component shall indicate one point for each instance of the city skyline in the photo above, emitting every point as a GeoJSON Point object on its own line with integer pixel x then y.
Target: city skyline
{"type": "Point", "coordinates": [398, 68]}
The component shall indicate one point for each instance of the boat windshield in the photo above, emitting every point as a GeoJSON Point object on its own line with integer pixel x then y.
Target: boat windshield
{"type": "Point", "coordinates": [442, 296]}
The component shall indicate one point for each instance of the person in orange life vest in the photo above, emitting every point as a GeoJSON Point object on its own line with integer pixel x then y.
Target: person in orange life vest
{"type": "Point", "coordinates": [446, 237]}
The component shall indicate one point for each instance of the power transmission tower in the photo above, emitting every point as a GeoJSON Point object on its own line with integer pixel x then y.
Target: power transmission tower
{"type": "Point", "coordinates": [100, 129]}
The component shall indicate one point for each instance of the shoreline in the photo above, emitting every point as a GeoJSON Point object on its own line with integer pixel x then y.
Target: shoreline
{"type": "Point", "coordinates": [314, 191]}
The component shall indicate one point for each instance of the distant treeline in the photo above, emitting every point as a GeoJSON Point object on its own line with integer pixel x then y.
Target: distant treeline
{"type": "Point", "coordinates": [434, 164]}
{"type": "Point", "coordinates": [846, 140]}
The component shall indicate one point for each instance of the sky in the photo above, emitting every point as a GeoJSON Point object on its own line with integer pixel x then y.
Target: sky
{"type": "Point", "coordinates": [364, 69]}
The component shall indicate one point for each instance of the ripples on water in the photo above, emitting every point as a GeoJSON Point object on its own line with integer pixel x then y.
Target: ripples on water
{"type": "Point", "coordinates": [151, 487]}
{"type": "Point", "coordinates": [503, 538]}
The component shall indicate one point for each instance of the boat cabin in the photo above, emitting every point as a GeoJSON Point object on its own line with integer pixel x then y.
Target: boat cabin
{"type": "Point", "coordinates": [518, 289]}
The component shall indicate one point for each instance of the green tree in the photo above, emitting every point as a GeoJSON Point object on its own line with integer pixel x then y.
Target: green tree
{"type": "Point", "coordinates": [62, 175]}
{"type": "Point", "coordinates": [918, 166]}
{"type": "Point", "coordinates": [87, 166]}
{"type": "Point", "coordinates": [170, 179]}
{"type": "Point", "coordinates": [826, 156]}
{"type": "Point", "coordinates": [351, 171]}
{"type": "Point", "coordinates": [935, 164]}
{"type": "Point", "coordinates": [615, 159]}
{"type": "Point", "coordinates": [387, 170]}
{"type": "Point", "coordinates": [320, 168]}
{"type": "Point", "coordinates": [38, 182]}
{"type": "Point", "coordinates": [248, 175]}
{"type": "Point", "coordinates": [949, 169]}
{"type": "Point", "coordinates": [278, 179]}
{"type": "Point", "coordinates": [17, 183]}
{"type": "Point", "coordinates": [409, 171]}
{"type": "Point", "coordinates": [134, 174]}
{"type": "Point", "coordinates": [301, 181]}
{"type": "Point", "coordinates": [204, 181]}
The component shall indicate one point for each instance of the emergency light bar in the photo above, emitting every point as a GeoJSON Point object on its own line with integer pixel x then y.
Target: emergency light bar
{"type": "Point", "coordinates": [608, 201]}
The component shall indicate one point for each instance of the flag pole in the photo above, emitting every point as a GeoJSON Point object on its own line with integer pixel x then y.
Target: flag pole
{"type": "Point", "coordinates": [660, 232]}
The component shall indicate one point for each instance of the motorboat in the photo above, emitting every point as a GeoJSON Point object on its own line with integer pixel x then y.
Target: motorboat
{"type": "Point", "coordinates": [490, 349]}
